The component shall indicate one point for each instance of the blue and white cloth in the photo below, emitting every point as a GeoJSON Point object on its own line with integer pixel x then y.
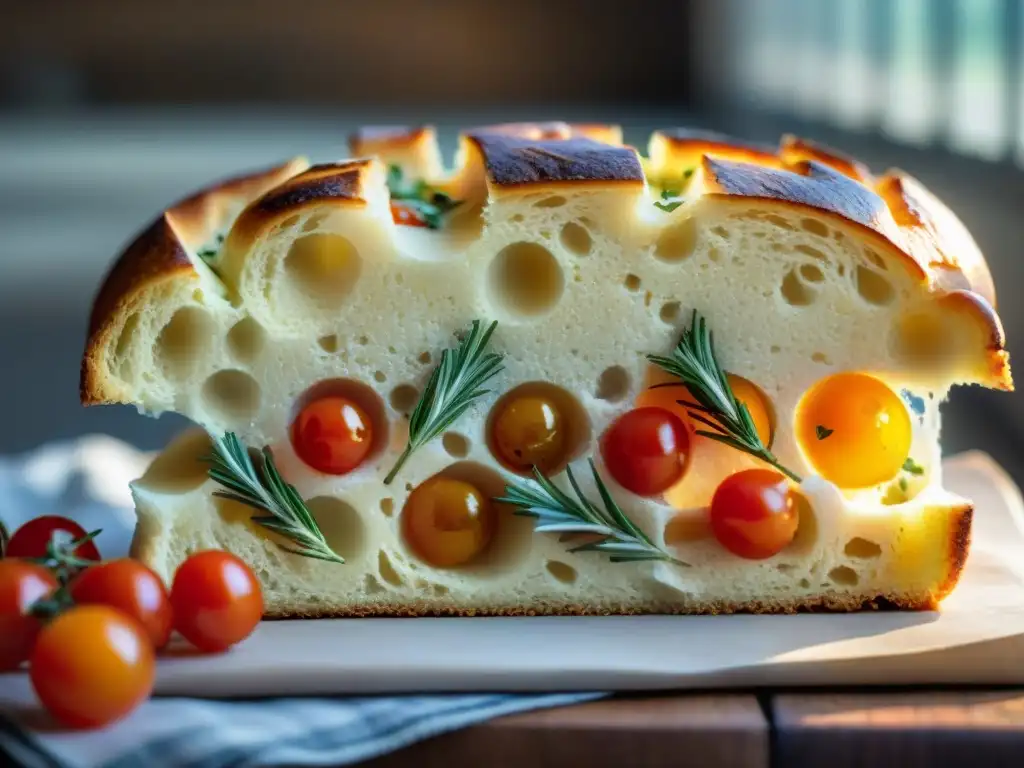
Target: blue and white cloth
{"type": "Point", "coordinates": [88, 481]}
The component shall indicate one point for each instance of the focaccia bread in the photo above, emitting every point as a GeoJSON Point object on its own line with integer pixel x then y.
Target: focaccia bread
{"type": "Point", "coordinates": [307, 309]}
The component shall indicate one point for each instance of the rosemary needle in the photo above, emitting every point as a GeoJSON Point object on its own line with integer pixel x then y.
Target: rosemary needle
{"type": "Point", "coordinates": [259, 485]}
{"type": "Point", "coordinates": [693, 361]}
{"type": "Point", "coordinates": [558, 512]}
{"type": "Point", "coordinates": [453, 386]}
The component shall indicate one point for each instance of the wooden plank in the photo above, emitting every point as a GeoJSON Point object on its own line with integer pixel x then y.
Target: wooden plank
{"type": "Point", "coordinates": [650, 732]}
{"type": "Point", "coordinates": [949, 728]}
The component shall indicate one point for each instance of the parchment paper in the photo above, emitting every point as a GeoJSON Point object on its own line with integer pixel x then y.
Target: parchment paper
{"type": "Point", "coordinates": [977, 637]}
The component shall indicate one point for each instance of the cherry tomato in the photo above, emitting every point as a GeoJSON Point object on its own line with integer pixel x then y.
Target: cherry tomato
{"type": "Point", "coordinates": [333, 435]}
{"type": "Point", "coordinates": [406, 215]}
{"type": "Point", "coordinates": [855, 430]}
{"type": "Point", "coordinates": [217, 600]}
{"type": "Point", "coordinates": [33, 538]}
{"type": "Point", "coordinates": [92, 665]}
{"type": "Point", "coordinates": [448, 522]}
{"type": "Point", "coordinates": [531, 431]}
{"type": "Point", "coordinates": [133, 589]}
{"type": "Point", "coordinates": [745, 392]}
{"type": "Point", "coordinates": [645, 450]}
{"type": "Point", "coordinates": [754, 513]}
{"type": "Point", "coordinates": [21, 584]}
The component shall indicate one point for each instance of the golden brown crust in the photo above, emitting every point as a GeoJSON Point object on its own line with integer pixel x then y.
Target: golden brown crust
{"type": "Point", "coordinates": [959, 546]}
{"type": "Point", "coordinates": [810, 184]}
{"type": "Point", "coordinates": [794, 151]}
{"type": "Point", "coordinates": [936, 234]}
{"type": "Point", "coordinates": [925, 601]}
{"type": "Point", "coordinates": [161, 253]}
{"type": "Point", "coordinates": [896, 209]}
{"type": "Point", "coordinates": [511, 161]}
{"type": "Point", "coordinates": [154, 256]}
{"type": "Point", "coordinates": [371, 139]}
{"type": "Point", "coordinates": [338, 182]}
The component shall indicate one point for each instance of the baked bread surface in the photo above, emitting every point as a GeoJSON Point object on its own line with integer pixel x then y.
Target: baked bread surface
{"type": "Point", "coordinates": [237, 303]}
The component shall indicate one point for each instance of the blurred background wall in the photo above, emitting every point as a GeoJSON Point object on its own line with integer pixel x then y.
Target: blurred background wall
{"type": "Point", "coordinates": [111, 109]}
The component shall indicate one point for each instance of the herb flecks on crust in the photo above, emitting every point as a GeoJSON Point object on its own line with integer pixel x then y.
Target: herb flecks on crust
{"type": "Point", "coordinates": [428, 203]}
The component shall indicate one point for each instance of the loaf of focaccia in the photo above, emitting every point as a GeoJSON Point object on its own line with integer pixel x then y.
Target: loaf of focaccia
{"type": "Point", "coordinates": [335, 314]}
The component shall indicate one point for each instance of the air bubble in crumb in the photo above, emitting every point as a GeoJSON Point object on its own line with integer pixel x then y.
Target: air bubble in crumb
{"type": "Point", "coordinates": [794, 292]}
{"type": "Point", "coordinates": [403, 398]}
{"type": "Point", "coordinates": [862, 549]}
{"type": "Point", "coordinates": [424, 358]}
{"type": "Point", "coordinates": [561, 571]}
{"type": "Point", "coordinates": [185, 341]}
{"type": "Point", "coordinates": [613, 384]}
{"type": "Point", "coordinates": [775, 349]}
{"type": "Point", "coordinates": [821, 357]}
{"type": "Point", "coordinates": [455, 445]}
{"type": "Point", "coordinates": [341, 525]}
{"type": "Point", "coordinates": [387, 506]}
{"type": "Point", "coordinates": [575, 239]}
{"type": "Point", "coordinates": [387, 570]}
{"type": "Point", "coordinates": [328, 343]}
{"type": "Point", "coordinates": [669, 312]}
{"type": "Point", "coordinates": [632, 282]}
{"type": "Point", "coordinates": [844, 576]}
{"type": "Point", "coordinates": [815, 227]}
{"type": "Point", "coordinates": [380, 376]}
{"type": "Point", "coordinates": [246, 339]}
{"type": "Point", "coordinates": [525, 280]}
{"type": "Point", "coordinates": [232, 396]}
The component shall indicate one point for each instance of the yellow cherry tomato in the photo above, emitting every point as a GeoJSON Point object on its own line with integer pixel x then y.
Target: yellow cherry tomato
{"type": "Point", "coordinates": [447, 522]}
{"type": "Point", "coordinates": [530, 431]}
{"type": "Point", "coordinates": [854, 430]}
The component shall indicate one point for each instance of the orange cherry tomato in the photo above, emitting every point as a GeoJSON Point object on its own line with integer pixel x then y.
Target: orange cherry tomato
{"type": "Point", "coordinates": [92, 665]}
{"type": "Point", "coordinates": [21, 584]}
{"type": "Point", "coordinates": [33, 538]}
{"type": "Point", "coordinates": [133, 589]}
{"type": "Point", "coordinates": [217, 600]}
{"type": "Point", "coordinates": [406, 215]}
{"type": "Point", "coordinates": [754, 513]}
{"type": "Point", "coordinates": [448, 522]}
{"type": "Point", "coordinates": [333, 435]}
{"type": "Point", "coordinates": [645, 450]}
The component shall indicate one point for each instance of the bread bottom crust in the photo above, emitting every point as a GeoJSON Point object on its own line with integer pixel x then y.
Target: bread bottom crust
{"type": "Point", "coordinates": [921, 588]}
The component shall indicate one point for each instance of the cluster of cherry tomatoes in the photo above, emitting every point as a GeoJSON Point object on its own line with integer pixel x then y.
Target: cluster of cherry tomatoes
{"type": "Point", "coordinates": [854, 429]}
{"type": "Point", "coordinates": [90, 629]}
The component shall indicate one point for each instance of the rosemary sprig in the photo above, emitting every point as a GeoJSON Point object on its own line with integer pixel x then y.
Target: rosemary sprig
{"type": "Point", "coordinates": [693, 362]}
{"type": "Point", "coordinates": [259, 485]}
{"type": "Point", "coordinates": [557, 512]}
{"type": "Point", "coordinates": [428, 203]}
{"type": "Point", "coordinates": [453, 386]}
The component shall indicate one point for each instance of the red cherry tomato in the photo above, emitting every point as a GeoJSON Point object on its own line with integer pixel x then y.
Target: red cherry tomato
{"type": "Point", "coordinates": [406, 215]}
{"type": "Point", "coordinates": [21, 584]}
{"type": "Point", "coordinates": [91, 666]}
{"type": "Point", "coordinates": [33, 538]}
{"type": "Point", "coordinates": [133, 589]}
{"type": "Point", "coordinates": [645, 450]}
{"type": "Point", "coordinates": [217, 600]}
{"type": "Point", "coordinates": [754, 513]}
{"type": "Point", "coordinates": [332, 435]}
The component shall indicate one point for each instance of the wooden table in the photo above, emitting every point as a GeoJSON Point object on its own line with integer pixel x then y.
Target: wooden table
{"type": "Point", "coordinates": [746, 730]}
